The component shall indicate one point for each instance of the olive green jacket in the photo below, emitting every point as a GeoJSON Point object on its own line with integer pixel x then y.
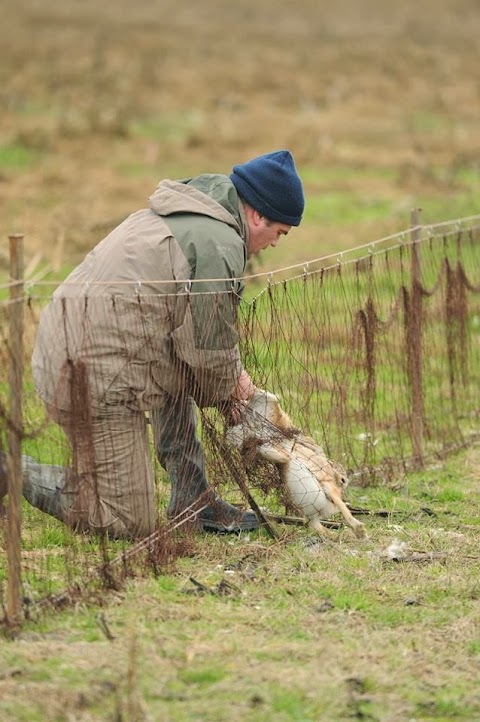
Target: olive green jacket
{"type": "Point", "coordinates": [152, 308]}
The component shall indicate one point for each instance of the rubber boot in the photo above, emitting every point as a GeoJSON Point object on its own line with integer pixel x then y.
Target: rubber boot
{"type": "Point", "coordinates": [180, 453]}
{"type": "Point", "coordinates": [43, 486]}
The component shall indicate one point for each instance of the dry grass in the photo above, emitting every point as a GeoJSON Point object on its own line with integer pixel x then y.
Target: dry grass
{"type": "Point", "coordinates": [378, 102]}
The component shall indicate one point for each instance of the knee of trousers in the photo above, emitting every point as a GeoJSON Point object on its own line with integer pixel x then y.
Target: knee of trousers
{"type": "Point", "coordinates": [103, 518]}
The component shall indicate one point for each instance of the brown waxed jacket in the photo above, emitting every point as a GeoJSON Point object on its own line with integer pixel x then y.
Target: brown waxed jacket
{"type": "Point", "coordinates": [152, 308]}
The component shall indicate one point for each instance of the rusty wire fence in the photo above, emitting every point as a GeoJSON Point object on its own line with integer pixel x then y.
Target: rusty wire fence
{"type": "Point", "coordinates": [374, 352]}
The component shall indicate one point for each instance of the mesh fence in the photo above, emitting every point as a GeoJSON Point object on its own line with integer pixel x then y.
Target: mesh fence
{"type": "Point", "coordinates": [374, 353]}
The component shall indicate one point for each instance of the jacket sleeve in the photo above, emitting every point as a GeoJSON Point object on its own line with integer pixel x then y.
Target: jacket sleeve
{"type": "Point", "coordinates": [207, 340]}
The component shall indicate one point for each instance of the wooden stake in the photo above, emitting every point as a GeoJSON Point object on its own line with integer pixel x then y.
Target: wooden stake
{"type": "Point", "coordinates": [15, 432]}
{"type": "Point", "coordinates": [415, 342]}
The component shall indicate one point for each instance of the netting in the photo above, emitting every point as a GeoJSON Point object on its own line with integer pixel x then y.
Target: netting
{"type": "Point", "coordinates": [374, 353]}
{"type": "Point", "coordinates": [377, 353]}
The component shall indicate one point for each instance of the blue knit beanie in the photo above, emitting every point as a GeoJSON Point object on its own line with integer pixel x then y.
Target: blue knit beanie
{"type": "Point", "coordinates": [271, 185]}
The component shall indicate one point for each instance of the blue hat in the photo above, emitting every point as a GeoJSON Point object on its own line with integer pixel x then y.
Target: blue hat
{"type": "Point", "coordinates": [271, 185]}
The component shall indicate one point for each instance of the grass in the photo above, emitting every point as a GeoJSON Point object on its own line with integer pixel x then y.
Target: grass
{"type": "Point", "coordinates": [329, 206]}
{"type": "Point", "coordinates": [282, 348]}
{"type": "Point", "coordinates": [298, 631]}
{"type": "Point", "coordinates": [16, 157]}
{"type": "Point", "coordinates": [381, 116]}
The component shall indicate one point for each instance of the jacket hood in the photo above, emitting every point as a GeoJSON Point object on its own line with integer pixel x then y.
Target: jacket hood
{"type": "Point", "coordinates": [208, 195]}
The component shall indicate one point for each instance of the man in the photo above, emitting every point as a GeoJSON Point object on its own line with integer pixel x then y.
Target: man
{"type": "Point", "coordinates": [147, 323]}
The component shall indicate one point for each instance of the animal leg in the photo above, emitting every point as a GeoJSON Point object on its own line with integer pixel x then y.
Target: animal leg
{"type": "Point", "coordinates": [272, 453]}
{"type": "Point", "coordinates": [357, 526]}
{"type": "Point", "coordinates": [317, 525]}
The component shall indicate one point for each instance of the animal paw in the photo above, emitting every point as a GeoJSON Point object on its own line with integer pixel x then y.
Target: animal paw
{"type": "Point", "coordinates": [359, 530]}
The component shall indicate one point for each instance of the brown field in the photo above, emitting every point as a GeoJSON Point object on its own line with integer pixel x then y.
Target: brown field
{"type": "Point", "coordinates": [378, 101]}
{"type": "Point", "coordinates": [380, 104]}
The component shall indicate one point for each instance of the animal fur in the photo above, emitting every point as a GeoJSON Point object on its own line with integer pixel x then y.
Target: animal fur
{"type": "Point", "coordinates": [314, 484]}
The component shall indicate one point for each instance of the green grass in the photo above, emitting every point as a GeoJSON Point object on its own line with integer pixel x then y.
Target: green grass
{"type": "Point", "coordinates": [334, 198]}
{"type": "Point", "coordinates": [329, 206]}
{"type": "Point", "coordinates": [328, 354]}
{"type": "Point", "coordinates": [16, 157]}
{"type": "Point", "coordinates": [169, 126]}
{"type": "Point", "coordinates": [304, 631]}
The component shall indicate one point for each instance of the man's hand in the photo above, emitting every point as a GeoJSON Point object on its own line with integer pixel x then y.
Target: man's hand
{"type": "Point", "coordinates": [244, 389]}
{"type": "Point", "coordinates": [232, 408]}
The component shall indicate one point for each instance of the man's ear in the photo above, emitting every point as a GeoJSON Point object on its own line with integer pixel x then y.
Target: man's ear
{"type": "Point", "coordinates": [256, 217]}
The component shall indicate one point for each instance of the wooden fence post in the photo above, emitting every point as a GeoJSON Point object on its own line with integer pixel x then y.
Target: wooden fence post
{"type": "Point", "coordinates": [415, 350]}
{"type": "Point", "coordinates": [15, 432]}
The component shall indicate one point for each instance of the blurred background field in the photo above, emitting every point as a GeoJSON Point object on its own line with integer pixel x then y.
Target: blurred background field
{"type": "Point", "coordinates": [378, 101]}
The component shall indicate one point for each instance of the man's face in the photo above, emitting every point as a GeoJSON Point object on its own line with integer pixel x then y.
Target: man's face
{"type": "Point", "coordinates": [263, 233]}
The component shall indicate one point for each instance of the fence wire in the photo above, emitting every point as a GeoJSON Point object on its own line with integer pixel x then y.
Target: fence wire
{"type": "Point", "coordinates": [374, 353]}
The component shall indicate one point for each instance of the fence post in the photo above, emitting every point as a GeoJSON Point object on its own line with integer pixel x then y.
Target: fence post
{"type": "Point", "coordinates": [415, 350]}
{"type": "Point", "coordinates": [15, 432]}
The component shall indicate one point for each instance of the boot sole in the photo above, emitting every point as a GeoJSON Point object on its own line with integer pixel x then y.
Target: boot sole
{"type": "Point", "coordinates": [219, 528]}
